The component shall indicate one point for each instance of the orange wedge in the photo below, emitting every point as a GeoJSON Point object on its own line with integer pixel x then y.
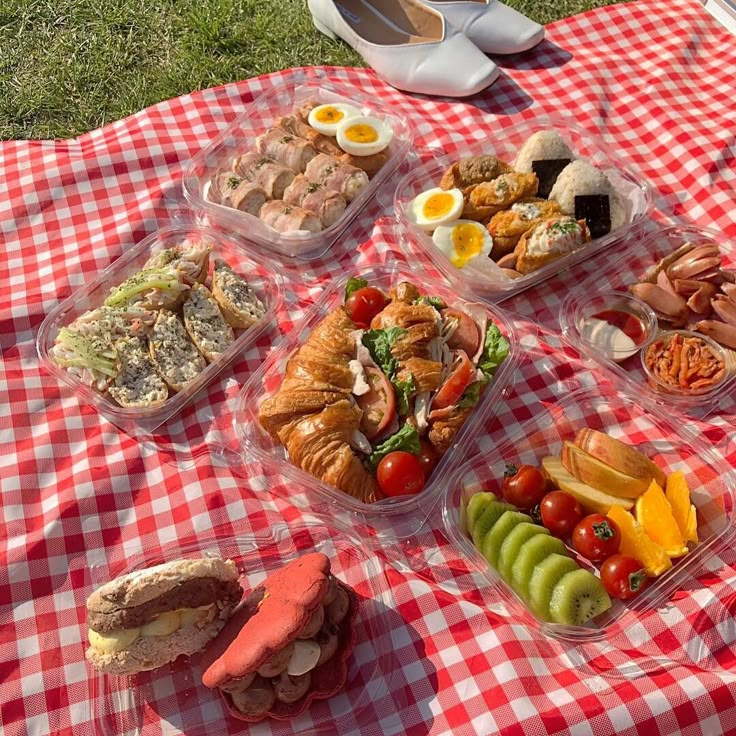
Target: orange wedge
{"type": "Point", "coordinates": [654, 513]}
{"type": "Point", "coordinates": [678, 495]}
{"type": "Point", "coordinates": [635, 543]}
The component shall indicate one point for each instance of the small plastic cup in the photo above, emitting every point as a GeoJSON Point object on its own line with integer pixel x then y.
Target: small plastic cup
{"type": "Point", "coordinates": [600, 342]}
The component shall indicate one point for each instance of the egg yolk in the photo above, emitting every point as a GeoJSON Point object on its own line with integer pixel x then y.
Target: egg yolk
{"type": "Point", "coordinates": [329, 115]}
{"type": "Point", "coordinates": [361, 133]}
{"type": "Point", "coordinates": [438, 205]}
{"type": "Point", "coordinates": [467, 243]}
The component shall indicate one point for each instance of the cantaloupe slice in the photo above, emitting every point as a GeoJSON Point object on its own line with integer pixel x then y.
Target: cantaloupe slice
{"type": "Point", "coordinates": [678, 495]}
{"type": "Point", "coordinates": [654, 513]}
{"type": "Point", "coordinates": [635, 543]}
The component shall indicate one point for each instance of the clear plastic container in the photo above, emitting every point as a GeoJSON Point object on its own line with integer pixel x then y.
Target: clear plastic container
{"type": "Point", "coordinates": [396, 517]}
{"type": "Point", "coordinates": [266, 282]}
{"type": "Point", "coordinates": [627, 270]}
{"type": "Point", "coordinates": [172, 699]}
{"type": "Point", "coordinates": [482, 276]}
{"type": "Point", "coordinates": [663, 439]}
{"type": "Point", "coordinates": [239, 137]}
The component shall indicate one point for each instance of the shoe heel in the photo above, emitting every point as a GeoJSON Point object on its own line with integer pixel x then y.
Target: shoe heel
{"type": "Point", "coordinates": [322, 28]}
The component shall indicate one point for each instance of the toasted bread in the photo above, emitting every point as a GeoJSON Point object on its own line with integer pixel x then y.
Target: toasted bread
{"type": "Point", "coordinates": [173, 353]}
{"type": "Point", "coordinates": [205, 323]}
{"type": "Point", "coordinates": [239, 304]}
{"type": "Point", "coordinates": [137, 383]}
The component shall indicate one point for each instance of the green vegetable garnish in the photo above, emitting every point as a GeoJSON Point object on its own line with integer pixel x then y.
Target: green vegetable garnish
{"type": "Point", "coordinates": [353, 285]}
{"type": "Point", "coordinates": [471, 395]}
{"type": "Point", "coordinates": [434, 301]}
{"type": "Point", "coordinates": [404, 391]}
{"type": "Point", "coordinates": [152, 278]}
{"type": "Point", "coordinates": [379, 344]}
{"type": "Point", "coordinates": [406, 439]}
{"type": "Point", "coordinates": [88, 353]}
{"type": "Point", "coordinates": [495, 350]}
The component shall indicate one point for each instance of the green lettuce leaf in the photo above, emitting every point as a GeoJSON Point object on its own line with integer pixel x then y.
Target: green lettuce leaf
{"type": "Point", "coordinates": [471, 395]}
{"type": "Point", "coordinates": [379, 344]}
{"type": "Point", "coordinates": [404, 391]}
{"type": "Point", "coordinates": [406, 439]}
{"type": "Point", "coordinates": [495, 350]}
{"type": "Point", "coordinates": [353, 285]}
{"type": "Point", "coordinates": [434, 301]}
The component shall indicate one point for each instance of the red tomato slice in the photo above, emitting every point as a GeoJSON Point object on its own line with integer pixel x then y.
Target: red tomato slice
{"type": "Point", "coordinates": [467, 335]}
{"type": "Point", "coordinates": [378, 405]}
{"type": "Point", "coordinates": [452, 389]}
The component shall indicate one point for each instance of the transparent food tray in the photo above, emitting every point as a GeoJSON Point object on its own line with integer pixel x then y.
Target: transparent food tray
{"type": "Point", "coordinates": [482, 278]}
{"type": "Point", "coordinates": [640, 259]}
{"type": "Point", "coordinates": [399, 516]}
{"type": "Point", "coordinates": [653, 433]}
{"type": "Point", "coordinates": [172, 699]}
{"type": "Point", "coordinates": [266, 283]}
{"type": "Point", "coordinates": [240, 137]}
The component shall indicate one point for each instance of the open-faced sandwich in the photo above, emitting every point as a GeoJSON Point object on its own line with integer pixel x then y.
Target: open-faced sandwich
{"type": "Point", "coordinates": [158, 330]}
{"type": "Point", "coordinates": [381, 387]}
{"type": "Point", "coordinates": [287, 645]}
{"type": "Point", "coordinates": [148, 618]}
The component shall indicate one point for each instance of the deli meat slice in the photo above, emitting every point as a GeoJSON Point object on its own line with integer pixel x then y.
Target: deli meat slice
{"type": "Point", "coordinates": [337, 175]}
{"type": "Point", "coordinates": [272, 176]}
{"type": "Point", "coordinates": [328, 205]}
{"type": "Point", "coordinates": [286, 148]}
{"type": "Point", "coordinates": [286, 218]}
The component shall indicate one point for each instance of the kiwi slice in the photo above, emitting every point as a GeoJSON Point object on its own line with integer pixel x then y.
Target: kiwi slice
{"type": "Point", "coordinates": [532, 552]}
{"type": "Point", "coordinates": [512, 544]}
{"type": "Point", "coordinates": [544, 578]}
{"type": "Point", "coordinates": [501, 529]}
{"type": "Point", "coordinates": [483, 524]}
{"type": "Point", "coordinates": [476, 506]}
{"type": "Point", "coordinates": [578, 597]}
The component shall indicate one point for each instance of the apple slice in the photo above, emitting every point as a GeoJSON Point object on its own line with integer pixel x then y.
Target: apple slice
{"type": "Point", "coordinates": [619, 455]}
{"type": "Point", "coordinates": [587, 496]}
{"type": "Point", "coordinates": [592, 471]}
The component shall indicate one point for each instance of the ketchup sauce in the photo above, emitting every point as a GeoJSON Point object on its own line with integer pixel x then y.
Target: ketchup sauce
{"type": "Point", "coordinates": [625, 321]}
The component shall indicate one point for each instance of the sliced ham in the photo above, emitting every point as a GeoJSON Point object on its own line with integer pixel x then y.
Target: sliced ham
{"type": "Point", "coordinates": [231, 190]}
{"type": "Point", "coordinates": [441, 414]}
{"type": "Point", "coordinates": [272, 176]}
{"type": "Point", "coordinates": [328, 205]}
{"type": "Point", "coordinates": [288, 218]}
{"type": "Point", "coordinates": [334, 174]}
{"type": "Point", "coordinates": [286, 148]}
{"type": "Point", "coordinates": [479, 314]}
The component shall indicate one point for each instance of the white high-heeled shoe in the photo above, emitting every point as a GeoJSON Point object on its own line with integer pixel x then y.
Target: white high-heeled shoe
{"type": "Point", "coordinates": [492, 26]}
{"type": "Point", "coordinates": [409, 45]}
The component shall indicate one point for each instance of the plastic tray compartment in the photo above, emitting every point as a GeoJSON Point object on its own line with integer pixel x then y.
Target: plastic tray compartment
{"type": "Point", "coordinates": [653, 433]}
{"type": "Point", "coordinates": [400, 516]}
{"type": "Point", "coordinates": [240, 137]}
{"type": "Point", "coordinates": [172, 699]}
{"type": "Point", "coordinates": [266, 283]}
{"type": "Point", "coordinates": [483, 278]}
{"type": "Point", "coordinates": [618, 275]}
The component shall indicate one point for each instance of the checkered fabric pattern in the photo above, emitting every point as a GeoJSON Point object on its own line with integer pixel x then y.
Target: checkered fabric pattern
{"type": "Point", "coordinates": [82, 500]}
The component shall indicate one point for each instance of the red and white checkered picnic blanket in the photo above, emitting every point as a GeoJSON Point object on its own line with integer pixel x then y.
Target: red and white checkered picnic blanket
{"type": "Point", "coordinates": [655, 80]}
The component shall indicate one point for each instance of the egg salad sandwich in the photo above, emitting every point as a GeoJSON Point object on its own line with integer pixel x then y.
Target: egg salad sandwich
{"type": "Point", "coordinates": [148, 618]}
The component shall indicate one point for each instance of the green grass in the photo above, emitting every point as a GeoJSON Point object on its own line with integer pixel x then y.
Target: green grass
{"type": "Point", "coordinates": [69, 66]}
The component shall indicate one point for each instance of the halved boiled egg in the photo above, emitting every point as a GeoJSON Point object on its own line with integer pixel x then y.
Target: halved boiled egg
{"type": "Point", "coordinates": [364, 136]}
{"type": "Point", "coordinates": [463, 241]}
{"type": "Point", "coordinates": [325, 118]}
{"type": "Point", "coordinates": [436, 207]}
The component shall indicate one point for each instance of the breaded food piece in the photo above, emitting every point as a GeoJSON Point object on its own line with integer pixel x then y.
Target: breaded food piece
{"type": "Point", "coordinates": [205, 323]}
{"type": "Point", "coordinates": [173, 353]}
{"type": "Point", "coordinates": [239, 304]}
{"type": "Point", "coordinates": [471, 171]}
{"type": "Point", "coordinates": [507, 227]}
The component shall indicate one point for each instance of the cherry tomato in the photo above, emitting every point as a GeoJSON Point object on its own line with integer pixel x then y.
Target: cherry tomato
{"type": "Point", "coordinates": [467, 335]}
{"type": "Point", "coordinates": [378, 405]}
{"type": "Point", "coordinates": [560, 513]}
{"type": "Point", "coordinates": [623, 577]}
{"type": "Point", "coordinates": [452, 389]}
{"type": "Point", "coordinates": [596, 537]}
{"type": "Point", "coordinates": [364, 304]}
{"type": "Point", "coordinates": [524, 487]}
{"type": "Point", "coordinates": [400, 473]}
{"type": "Point", "coordinates": [427, 457]}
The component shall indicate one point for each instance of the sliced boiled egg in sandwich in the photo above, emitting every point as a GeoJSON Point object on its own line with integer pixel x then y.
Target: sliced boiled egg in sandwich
{"type": "Point", "coordinates": [325, 119]}
{"type": "Point", "coordinates": [364, 136]}
{"type": "Point", "coordinates": [463, 241]}
{"type": "Point", "coordinates": [436, 207]}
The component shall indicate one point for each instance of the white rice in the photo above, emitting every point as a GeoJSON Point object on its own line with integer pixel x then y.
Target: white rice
{"type": "Point", "coordinates": [542, 146]}
{"type": "Point", "coordinates": [580, 178]}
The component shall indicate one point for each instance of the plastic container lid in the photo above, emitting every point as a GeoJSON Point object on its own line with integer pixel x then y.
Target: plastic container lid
{"type": "Point", "coordinates": [482, 277]}
{"type": "Point", "coordinates": [240, 137]}
{"type": "Point", "coordinates": [641, 257]}
{"type": "Point", "coordinates": [662, 439]}
{"type": "Point", "coordinates": [172, 699]}
{"type": "Point", "coordinates": [396, 517]}
{"type": "Point", "coordinates": [266, 282]}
